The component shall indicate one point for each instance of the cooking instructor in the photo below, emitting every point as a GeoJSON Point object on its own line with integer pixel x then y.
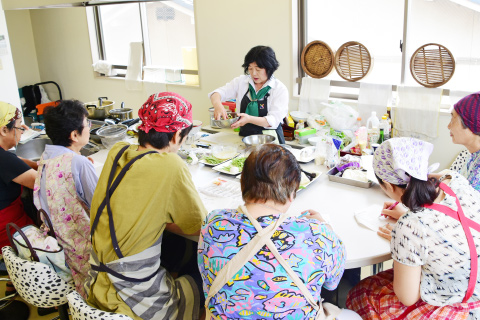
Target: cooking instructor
{"type": "Point", "coordinates": [260, 97]}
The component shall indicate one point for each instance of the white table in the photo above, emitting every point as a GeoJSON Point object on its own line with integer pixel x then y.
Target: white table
{"type": "Point", "coordinates": [364, 247]}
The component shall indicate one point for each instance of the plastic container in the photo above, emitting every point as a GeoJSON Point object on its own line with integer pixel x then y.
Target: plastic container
{"type": "Point", "coordinates": [109, 135]}
{"type": "Point", "coordinates": [304, 134]}
{"type": "Point", "coordinates": [373, 128]}
{"type": "Point", "coordinates": [385, 125]}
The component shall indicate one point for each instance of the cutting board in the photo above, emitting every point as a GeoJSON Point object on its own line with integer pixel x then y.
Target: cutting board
{"type": "Point", "coordinates": [226, 138]}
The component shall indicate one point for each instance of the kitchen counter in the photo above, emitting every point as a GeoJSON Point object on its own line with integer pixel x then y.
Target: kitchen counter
{"type": "Point", "coordinates": [364, 247]}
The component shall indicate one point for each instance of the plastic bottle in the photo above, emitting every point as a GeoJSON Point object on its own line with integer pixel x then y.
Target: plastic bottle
{"type": "Point", "coordinates": [373, 128]}
{"type": "Point", "coordinates": [300, 125]}
{"type": "Point", "coordinates": [386, 127]}
{"type": "Point", "coordinates": [358, 124]}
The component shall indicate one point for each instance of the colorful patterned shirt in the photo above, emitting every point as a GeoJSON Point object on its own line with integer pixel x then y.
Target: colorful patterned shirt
{"type": "Point", "coordinates": [262, 288]}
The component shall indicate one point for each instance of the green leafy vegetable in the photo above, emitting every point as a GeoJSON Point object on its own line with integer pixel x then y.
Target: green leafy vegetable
{"type": "Point", "coordinates": [212, 160]}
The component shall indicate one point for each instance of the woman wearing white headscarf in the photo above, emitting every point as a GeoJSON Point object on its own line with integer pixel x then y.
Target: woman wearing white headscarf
{"type": "Point", "coordinates": [433, 245]}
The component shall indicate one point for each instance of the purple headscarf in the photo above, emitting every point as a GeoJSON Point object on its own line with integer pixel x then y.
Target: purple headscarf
{"type": "Point", "coordinates": [468, 108]}
{"type": "Point", "coordinates": [398, 159]}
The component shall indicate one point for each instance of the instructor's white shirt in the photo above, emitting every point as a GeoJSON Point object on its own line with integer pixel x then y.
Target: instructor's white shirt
{"type": "Point", "coordinates": [277, 101]}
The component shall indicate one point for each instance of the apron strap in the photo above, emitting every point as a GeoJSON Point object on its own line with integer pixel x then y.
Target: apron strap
{"type": "Point", "coordinates": [110, 189]}
{"type": "Point", "coordinates": [298, 282]}
{"type": "Point", "coordinates": [242, 257]}
{"type": "Point", "coordinates": [466, 225]}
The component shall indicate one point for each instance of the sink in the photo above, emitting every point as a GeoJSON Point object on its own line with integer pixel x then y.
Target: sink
{"type": "Point", "coordinates": [34, 148]}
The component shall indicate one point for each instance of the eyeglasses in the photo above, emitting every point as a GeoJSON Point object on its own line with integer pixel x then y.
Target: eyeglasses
{"type": "Point", "coordinates": [89, 123]}
{"type": "Point", "coordinates": [21, 129]}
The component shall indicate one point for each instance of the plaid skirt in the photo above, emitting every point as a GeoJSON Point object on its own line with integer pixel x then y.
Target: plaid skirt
{"type": "Point", "coordinates": [374, 298]}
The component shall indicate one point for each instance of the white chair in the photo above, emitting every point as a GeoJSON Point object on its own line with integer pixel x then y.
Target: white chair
{"type": "Point", "coordinates": [82, 311]}
{"type": "Point", "coordinates": [37, 283]}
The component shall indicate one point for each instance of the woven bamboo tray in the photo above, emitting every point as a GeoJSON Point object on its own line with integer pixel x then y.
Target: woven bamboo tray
{"type": "Point", "coordinates": [432, 65]}
{"type": "Point", "coordinates": [317, 59]}
{"type": "Point", "coordinates": [353, 61]}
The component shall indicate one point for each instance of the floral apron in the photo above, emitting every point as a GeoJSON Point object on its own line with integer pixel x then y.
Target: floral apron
{"type": "Point", "coordinates": [325, 311]}
{"type": "Point", "coordinates": [374, 297]}
{"type": "Point", "coordinates": [142, 283]}
{"type": "Point", "coordinates": [70, 217]}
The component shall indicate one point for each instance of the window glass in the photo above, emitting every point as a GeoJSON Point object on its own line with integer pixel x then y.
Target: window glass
{"type": "Point", "coordinates": [455, 25]}
{"type": "Point", "coordinates": [120, 25]}
{"type": "Point", "coordinates": [171, 29]}
{"type": "Point", "coordinates": [377, 24]}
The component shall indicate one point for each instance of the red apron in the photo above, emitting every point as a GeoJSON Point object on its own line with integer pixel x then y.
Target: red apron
{"type": "Point", "coordinates": [13, 213]}
{"type": "Point", "coordinates": [467, 224]}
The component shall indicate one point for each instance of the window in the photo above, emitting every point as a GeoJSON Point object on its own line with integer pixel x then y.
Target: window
{"type": "Point", "coordinates": [383, 25]}
{"type": "Point", "coordinates": [167, 30]}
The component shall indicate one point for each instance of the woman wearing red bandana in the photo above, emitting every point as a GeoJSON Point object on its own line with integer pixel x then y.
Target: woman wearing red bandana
{"type": "Point", "coordinates": [465, 130]}
{"type": "Point", "coordinates": [262, 99]}
{"type": "Point", "coordinates": [144, 190]}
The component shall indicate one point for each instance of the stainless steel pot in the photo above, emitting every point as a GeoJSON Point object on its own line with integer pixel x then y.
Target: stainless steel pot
{"type": "Point", "coordinates": [122, 113]}
{"type": "Point", "coordinates": [99, 109]}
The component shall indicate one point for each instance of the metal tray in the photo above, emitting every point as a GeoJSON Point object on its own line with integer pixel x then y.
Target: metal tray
{"type": "Point", "coordinates": [332, 177]}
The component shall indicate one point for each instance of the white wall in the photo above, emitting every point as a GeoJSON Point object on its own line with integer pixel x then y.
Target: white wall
{"type": "Point", "coordinates": [23, 47]}
{"type": "Point", "coordinates": [225, 31]}
{"type": "Point", "coordinates": [8, 81]}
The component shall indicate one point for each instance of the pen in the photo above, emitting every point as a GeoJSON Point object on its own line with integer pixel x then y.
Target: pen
{"type": "Point", "coordinates": [303, 214]}
{"type": "Point", "coordinates": [393, 206]}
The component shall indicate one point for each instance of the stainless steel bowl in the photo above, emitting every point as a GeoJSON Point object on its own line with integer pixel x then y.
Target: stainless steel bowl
{"type": "Point", "coordinates": [258, 139]}
{"type": "Point", "coordinates": [112, 134]}
{"type": "Point", "coordinates": [225, 123]}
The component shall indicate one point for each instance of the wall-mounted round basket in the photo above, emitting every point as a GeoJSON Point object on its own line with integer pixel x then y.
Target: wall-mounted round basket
{"type": "Point", "coordinates": [317, 59]}
{"type": "Point", "coordinates": [432, 65]}
{"type": "Point", "coordinates": [353, 61]}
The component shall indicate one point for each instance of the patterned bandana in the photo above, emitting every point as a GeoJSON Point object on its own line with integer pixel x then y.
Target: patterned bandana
{"type": "Point", "coordinates": [165, 112]}
{"type": "Point", "coordinates": [468, 108]}
{"type": "Point", "coordinates": [398, 156]}
{"type": "Point", "coordinates": [7, 113]}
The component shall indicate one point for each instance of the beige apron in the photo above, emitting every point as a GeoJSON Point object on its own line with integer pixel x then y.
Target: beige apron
{"type": "Point", "coordinates": [325, 311]}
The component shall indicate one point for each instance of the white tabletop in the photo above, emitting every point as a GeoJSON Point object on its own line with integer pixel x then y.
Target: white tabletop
{"type": "Point", "coordinates": [364, 247]}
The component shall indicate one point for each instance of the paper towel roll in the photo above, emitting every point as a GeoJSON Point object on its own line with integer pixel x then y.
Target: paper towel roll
{"type": "Point", "coordinates": [133, 78]}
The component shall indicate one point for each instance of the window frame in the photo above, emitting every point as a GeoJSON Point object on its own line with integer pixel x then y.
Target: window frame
{"type": "Point", "coordinates": [302, 34]}
{"type": "Point", "coordinates": [97, 39]}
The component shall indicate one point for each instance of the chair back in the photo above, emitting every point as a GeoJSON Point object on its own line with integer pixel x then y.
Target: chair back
{"type": "Point", "coordinates": [35, 282]}
{"type": "Point", "coordinates": [80, 310]}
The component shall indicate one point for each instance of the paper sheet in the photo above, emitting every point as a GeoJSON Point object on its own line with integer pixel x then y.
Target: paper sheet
{"type": "Point", "coordinates": [370, 217]}
{"type": "Point", "coordinates": [221, 194]}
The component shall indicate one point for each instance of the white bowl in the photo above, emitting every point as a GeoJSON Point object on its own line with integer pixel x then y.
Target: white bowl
{"type": "Point", "coordinates": [299, 115]}
{"type": "Point", "coordinates": [313, 140]}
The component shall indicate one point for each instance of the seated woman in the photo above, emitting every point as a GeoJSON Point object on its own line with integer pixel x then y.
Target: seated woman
{"type": "Point", "coordinates": [433, 275]}
{"type": "Point", "coordinates": [15, 173]}
{"type": "Point", "coordinates": [258, 263]}
{"type": "Point", "coordinates": [465, 130]}
{"type": "Point", "coordinates": [65, 184]}
{"type": "Point", "coordinates": [130, 217]}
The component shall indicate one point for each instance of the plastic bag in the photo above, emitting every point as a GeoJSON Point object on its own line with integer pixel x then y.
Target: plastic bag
{"type": "Point", "coordinates": [339, 116]}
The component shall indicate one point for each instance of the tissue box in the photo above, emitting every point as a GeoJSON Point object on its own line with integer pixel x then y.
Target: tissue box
{"type": "Point", "coordinates": [304, 134]}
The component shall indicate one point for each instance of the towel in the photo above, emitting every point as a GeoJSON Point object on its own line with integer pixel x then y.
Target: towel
{"type": "Point", "coordinates": [105, 67]}
{"type": "Point", "coordinates": [373, 97]}
{"type": "Point", "coordinates": [417, 113]}
{"type": "Point", "coordinates": [314, 92]}
{"type": "Point", "coordinates": [133, 78]}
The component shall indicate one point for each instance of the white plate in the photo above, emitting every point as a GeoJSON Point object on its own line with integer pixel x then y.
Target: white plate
{"type": "Point", "coordinates": [220, 168]}
{"type": "Point", "coordinates": [300, 154]}
{"type": "Point", "coordinates": [319, 173]}
{"type": "Point", "coordinates": [217, 164]}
